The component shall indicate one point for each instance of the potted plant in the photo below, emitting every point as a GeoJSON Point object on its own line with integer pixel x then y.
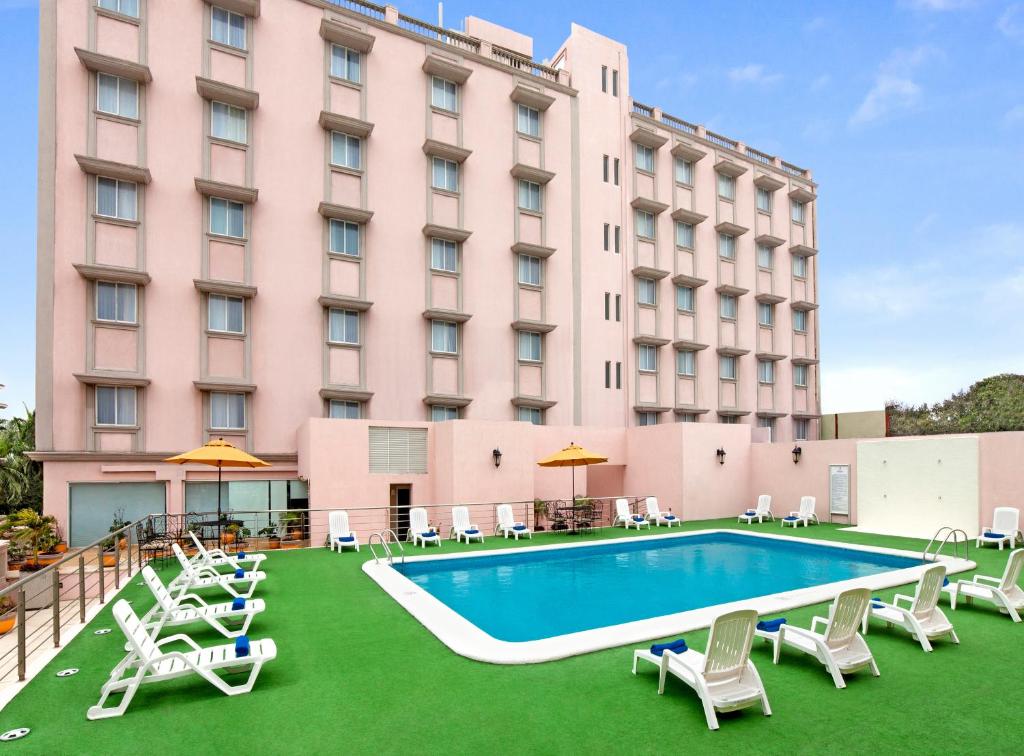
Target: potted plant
{"type": "Point", "coordinates": [109, 554]}
{"type": "Point", "coordinates": [36, 533]}
{"type": "Point", "coordinates": [540, 511]}
{"type": "Point", "coordinates": [8, 615]}
{"type": "Point", "coordinates": [290, 523]}
{"type": "Point", "coordinates": [230, 533]}
{"type": "Point", "coordinates": [273, 539]}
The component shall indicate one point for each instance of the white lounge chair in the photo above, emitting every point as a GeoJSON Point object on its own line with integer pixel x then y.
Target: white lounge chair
{"type": "Point", "coordinates": [626, 517]}
{"type": "Point", "coordinates": [655, 515]}
{"type": "Point", "coordinates": [763, 510]}
{"type": "Point", "coordinates": [1005, 528]}
{"type": "Point", "coordinates": [463, 528]}
{"type": "Point", "coordinates": [220, 558]}
{"type": "Point", "coordinates": [186, 608]}
{"type": "Point", "coordinates": [507, 523]}
{"type": "Point", "coordinates": [723, 676]}
{"type": "Point", "coordinates": [922, 618]}
{"type": "Point", "coordinates": [419, 529]}
{"type": "Point", "coordinates": [205, 576]}
{"type": "Point", "coordinates": [804, 515]}
{"type": "Point", "coordinates": [148, 662]}
{"type": "Point", "coordinates": [341, 536]}
{"type": "Point", "coordinates": [840, 648]}
{"type": "Point", "coordinates": [1003, 591]}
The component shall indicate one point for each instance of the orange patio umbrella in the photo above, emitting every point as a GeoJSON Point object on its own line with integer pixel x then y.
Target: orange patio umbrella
{"type": "Point", "coordinates": [572, 456]}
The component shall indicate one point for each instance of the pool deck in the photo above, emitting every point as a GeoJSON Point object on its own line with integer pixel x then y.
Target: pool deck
{"type": "Point", "coordinates": [356, 672]}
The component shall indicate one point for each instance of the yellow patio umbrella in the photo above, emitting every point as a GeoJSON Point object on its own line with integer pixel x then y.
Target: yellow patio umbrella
{"type": "Point", "coordinates": [572, 456]}
{"type": "Point", "coordinates": [220, 454]}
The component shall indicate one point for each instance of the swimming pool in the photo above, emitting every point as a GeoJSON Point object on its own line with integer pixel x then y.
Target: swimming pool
{"type": "Point", "coordinates": [531, 604]}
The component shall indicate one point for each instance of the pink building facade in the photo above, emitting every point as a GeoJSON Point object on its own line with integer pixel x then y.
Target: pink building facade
{"type": "Point", "coordinates": [254, 214]}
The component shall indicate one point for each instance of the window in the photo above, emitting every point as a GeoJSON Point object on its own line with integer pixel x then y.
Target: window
{"type": "Point", "coordinates": [727, 306]}
{"type": "Point", "coordinates": [615, 171]}
{"type": "Point", "coordinates": [607, 235]}
{"type": "Point", "coordinates": [607, 305]}
{"type": "Point", "coordinates": [686, 363]}
{"type": "Point", "coordinates": [618, 238]}
{"type": "Point", "coordinates": [115, 199]}
{"type": "Point", "coordinates": [225, 314]}
{"type": "Point", "coordinates": [227, 411]}
{"type": "Point", "coordinates": [728, 419]}
{"type": "Point", "coordinates": [530, 415]}
{"type": "Point", "coordinates": [727, 367]}
{"type": "Point", "coordinates": [799, 266]}
{"type": "Point", "coordinates": [345, 64]}
{"type": "Point", "coordinates": [764, 200]}
{"type": "Point", "coordinates": [529, 270]}
{"type": "Point", "coordinates": [800, 428]}
{"type": "Point", "coordinates": [765, 371]}
{"type": "Point", "coordinates": [799, 211]}
{"type": "Point", "coordinates": [227, 218]}
{"type": "Point", "coordinates": [343, 327]}
{"type": "Point", "coordinates": [440, 413]}
{"type": "Point", "coordinates": [228, 122]}
{"type": "Point", "coordinates": [604, 168]}
{"type": "Point", "coordinates": [645, 224]}
{"type": "Point", "coordinates": [344, 410]}
{"type": "Point", "coordinates": [345, 150]}
{"type": "Point", "coordinates": [604, 78]}
{"type": "Point", "coordinates": [726, 187]}
{"type": "Point", "coordinates": [684, 298]}
{"type": "Point", "coordinates": [344, 237]}
{"type": "Point", "coordinates": [765, 257]}
{"type": "Point", "coordinates": [618, 307]}
{"type": "Point", "coordinates": [607, 374]}
{"type": "Point", "coordinates": [117, 96]}
{"type": "Point", "coordinates": [227, 28]}
{"type": "Point", "coordinates": [646, 418]}
{"type": "Point", "coordinates": [686, 417]}
{"type": "Point", "coordinates": [615, 83]}
{"type": "Point", "coordinates": [443, 94]}
{"type": "Point", "coordinates": [684, 172]}
{"type": "Point", "coordinates": [769, 423]}
{"type": "Point", "coordinates": [765, 314]}
{"type": "Point", "coordinates": [445, 175]}
{"type": "Point", "coordinates": [527, 120]}
{"type": "Point", "coordinates": [115, 302]}
{"type": "Point", "coordinates": [398, 450]}
{"type": "Point", "coordinates": [800, 321]}
{"type": "Point", "coordinates": [124, 7]}
{"type": "Point", "coordinates": [529, 195]}
{"type": "Point", "coordinates": [529, 346]}
{"type": "Point", "coordinates": [647, 291]}
{"type": "Point", "coordinates": [618, 375]}
{"type": "Point", "coordinates": [684, 234]}
{"type": "Point", "coordinates": [444, 337]}
{"type": "Point", "coordinates": [648, 358]}
{"type": "Point", "coordinates": [727, 246]}
{"type": "Point", "coordinates": [443, 255]}
{"type": "Point", "coordinates": [644, 158]}
{"type": "Point", "coordinates": [800, 376]}
{"type": "Point", "coordinates": [115, 405]}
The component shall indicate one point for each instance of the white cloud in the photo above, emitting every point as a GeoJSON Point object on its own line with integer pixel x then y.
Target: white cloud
{"type": "Point", "coordinates": [753, 73]}
{"type": "Point", "coordinates": [895, 90]}
{"type": "Point", "coordinates": [820, 82]}
{"type": "Point", "coordinates": [1013, 116]}
{"type": "Point", "coordinates": [1011, 23]}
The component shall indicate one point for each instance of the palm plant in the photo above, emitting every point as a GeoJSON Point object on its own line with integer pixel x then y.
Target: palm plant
{"type": "Point", "coordinates": [30, 528]}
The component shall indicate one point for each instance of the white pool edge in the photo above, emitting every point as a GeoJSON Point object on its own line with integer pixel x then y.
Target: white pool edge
{"type": "Point", "coordinates": [466, 639]}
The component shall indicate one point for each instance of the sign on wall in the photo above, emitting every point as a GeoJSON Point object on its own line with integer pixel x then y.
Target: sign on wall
{"type": "Point", "coordinates": [838, 490]}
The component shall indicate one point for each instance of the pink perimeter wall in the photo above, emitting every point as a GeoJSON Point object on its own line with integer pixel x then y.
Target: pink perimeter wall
{"type": "Point", "coordinates": [1000, 473]}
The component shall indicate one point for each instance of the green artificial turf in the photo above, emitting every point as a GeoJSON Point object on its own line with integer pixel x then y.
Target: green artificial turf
{"type": "Point", "coordinates": [356, 673]}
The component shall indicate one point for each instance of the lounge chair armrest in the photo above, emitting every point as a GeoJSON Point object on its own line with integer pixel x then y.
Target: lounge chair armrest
{"type": "Point", "coordinates": [986, 579]}
{"type": "Point", "coordinates": [186, 597]}
{"type": "Point", "coordinates": [902, 597]}
{"type": "Point", "coordinates": [183, 638]}
{"type": "Point", "coordinates": [795, 514]}
{"type": "Point", "coordinates": [816, 621]}
{"type": "Point", "coordinates": [791, 629]}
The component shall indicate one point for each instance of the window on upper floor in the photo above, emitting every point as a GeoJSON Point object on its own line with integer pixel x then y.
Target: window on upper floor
{"type": "Point", "coordinates": [686, 417]}
{"type": "Point", "coordinates": [529, 346]}
{"type": "Point", "coordinates": [647, 356]}
{"type": "Point", "coordinates": [615, 171]}
{"type": "Point", "coordinates": [527, 120]}
{"type": "Point", "coordinates": [727, 246]}
{"type": "Point", "coordinates": [345, 64]}
{"type": "Point", "coordinates": [227, 411]}
{"type": "Point", "coordinates": [227, 28]}
{"type": "Point", "coordinates": [765, 257]}
{"type": "Point", "coordinates": [444, 337]}
{"type": "Point", "coordinates": [726, 187]}
{"type": "Point", "coordinates": [116, 199]}
{"type": "Point", "coordinates": [615, 82]}
{"type": "Point", "coordinates": [607, 373]}
{"type": "Point", "coordinates": [686, 363]}
{"type": "Point", "coordinates": [444, 255]}
{"type": "Point", "coordinates": [644, 158]}
{"type": "Point", "coordinates": [444, 94]}
{"type": "Point", "coordinates": [529, 270]}
{"type": "Point", "coordinates": [605, 166]}
{"type": "Point", "coordinates": [684, 298]}
{"type": "Point", "coordinates": [440, 413]}
{"type": "Point", "coordinates": [769, 423]}
{"type": "Point", "coordinates": [765, 371]}
{"type": "Point", "coordinates": [225, 314]}
{"type": "Point", "coordinates": [115, 302]}
{"type": "Point", "coordinates": [607, 236]}
{"type": "Point", "coordinates": [727, 306]}
{"type": "Point", "coordinates": [800, 376]}
{"type": "Point", "coordinates": [800, 429]}
{"type": "Point", "coordinates": [765, 314]}
{"type": "Point", "coordinates": [799, 266]}
{"type": "Point", "coordinates": [684, 234]}
{"type": "Point", "coordinates": [344, 410]}
{"type": "Point", "coordinates": [729, 419]}
{"type": "Point", "coordinates": [529, 196]}
{"type": "Point", "coordinates": [124, 7]}
{"type": "Point", "coordinates": [618, 375]}
{"type": "Point", "coordinates": [644, 222]}
{"type": "Point", "coordinates": [764, 200]}
{"type": "Point", "coordinates": [798, 211]}
{"type": "Point", "coordinates": [647, 291]}
{"type": "Point", "coordinates": [684, 171]}
{"type": "Point", "coordinates": [344, 237]}
{"type": "Point", "coordinates": [727, 367]}
{"type": "Point", "coordinates": [530, 415]}
{"type": "Point", "coordinates": [117, 96]}
{"type": "Point", "coordinates": [618, 308]}
{"type": "Point", "coordinates": [227, 218]}
{"type": "Point", "coordinates": [346, 150]}
{"type": "Point", "coordinates": [445, 175]}
{"type": "Point", "coordinates": [618, 238]}
{"type": "Point", "coordinates": [800, 321]}
{"type": "Point", "coordinates": [343, 326]}
{"type": "Point", "coordinates": [228, 122]}
{"type": "Point", "coordinates": [607, 305]}
{"type": "Point", "coordinates": [604, 78]}
{"type": "Point", "coordinates": [646, 418]}
{"type": "Point", "coordinates": [115, 405]}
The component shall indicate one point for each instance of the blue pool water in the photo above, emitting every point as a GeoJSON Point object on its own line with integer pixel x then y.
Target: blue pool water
{"type": "Point", "coordinates": [538, 594]}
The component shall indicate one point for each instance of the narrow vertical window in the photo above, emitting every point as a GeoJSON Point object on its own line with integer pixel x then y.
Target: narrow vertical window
{"type": "Point", "coordinates": [607, 374]}
{"type": "Point", "coordinates": [618, 375]}
{"type": "Point", "coordinates": [607, 234]}
{"type": "Point", "coordinates": [604, 168]}
{"type": "Point", "coordinates": [615, 82]}
{"type": "Point", "coordinates": [604, 78]}
{"type": "Point", "coordinates": [607, 305]}
{"type": "Point", "coordinates": [615, 171]}
{"type": "Point", "coordinates": [227, 28]}
{"type": "Point", "coordinates": [618, 307]}
{"type": "Point", "coordinates": [618, 238]}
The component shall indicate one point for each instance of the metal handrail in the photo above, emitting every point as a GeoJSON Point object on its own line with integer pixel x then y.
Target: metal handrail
{"type": "Point", "coordinates": [950, 532]}
{"type": "Point", "coordinates": [380, 539]}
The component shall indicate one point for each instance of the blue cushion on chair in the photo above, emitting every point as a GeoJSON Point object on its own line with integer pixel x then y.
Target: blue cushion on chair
{"type": "Point", "coordinates": [771, 626]}
{"type": "Point", "coordinates": [639, 518]}
{"type": "Point", "coordinates": [750, 512]}
{"type": "Point", "coordinates": [429, 534]}
{"type": "Point", "coordinates": [238, 603]}
{"type": "Point", "coordinates": [347, 539]}
{"type": "Point", "coordinates": [669, 516]}
{"type": "Point", "coordinates": [945, 582]}
{"type": "Point", "coordinates": [990, 534]}
{"type": "Point", "coordinates": [471, 531]}
{"type": "Point", "coordinates": [239, 573]}
{"type": "Point", "coordinates": [791, 518]}
{"type": "Point", "coordinates": [242, 645]}
{"type": "Point", "coordinates": [519, 527]}
{"type": "Point", "coordinates": [676, 647]}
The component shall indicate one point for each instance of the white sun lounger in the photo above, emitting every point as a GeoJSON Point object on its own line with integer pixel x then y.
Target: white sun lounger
{"type": "Point", "coordinates": [204, 576]}
{"type": "Point", "coordinates": [805, 515]}
{"type": "Point", "coordinates": [463, 528]}
{"type": "Point", "coordinates": [186, 608]}
{"type": "Point", "coordinates": [723, 676]}
{"type": "Point", "coordinates": [763, 511]}
{"type": "Point", "coordinates": [419, 529]}
{"type": "Point", "coordinates": [655, 515]}
{"type": "Point", "coordinates": [507, 523]}
{"type": "Point", "coordinates": [341, 536]}
{"type": "Point", "coordinates": [219, 558]}
{"type": "Point", "coordinates": [148, 662]}
{"type": "Point", "coordinates": [625, 517]}
{"type": "Point", "coordinates": [1003, 591]}
{"type": "Point", "coordinates": [840, 648]}
{"type": "Point", "coordinates": [922, 617]}
{"type": "Point", "coordinates": [1005, 528]}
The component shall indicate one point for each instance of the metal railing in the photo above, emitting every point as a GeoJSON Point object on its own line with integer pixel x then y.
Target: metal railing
{"type": "Point", "coordinates": [679, 123]}
{"type": "Point", "coordinates": [357, 6]}
{"type": "Point", "coordinates": [523, 63]}
{"type": "Point", "coordinates": [448, 37]}
{"type": "Point", "coordinates": [721, 141]}
{"type": "Point", "coordinates": [946, 533]}
{"type": "Point", "coordinates": [645, 110]}
{"type": "Point", "coordinates": [793, 170]}
{"type": "Point", "coordinates": [759, 156]}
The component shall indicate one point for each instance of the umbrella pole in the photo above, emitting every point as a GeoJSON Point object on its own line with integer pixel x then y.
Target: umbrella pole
{"type": "Point", "coordinates": [220, 469]}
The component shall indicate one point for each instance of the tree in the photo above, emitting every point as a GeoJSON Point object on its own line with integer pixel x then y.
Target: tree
{"type": "Point", "coordinates": [21, 479]}
{"type": "Point", "coordinates": [993, 404]}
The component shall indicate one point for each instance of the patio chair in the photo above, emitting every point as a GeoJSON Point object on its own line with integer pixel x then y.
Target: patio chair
{"type": "Point", "coordinates": [762, 511]}
{"type": "Point", "coordinates": [340, 535]}
{"type": "Point", "coordinates": [205, 576]}
{"type": "Point", "coordinates": [1005, 528]}
{"type": "Point", "coordinates": [152, 545]}
{"type": "Point", "coordinates": [419, 529]}
{"type": "Point", "coordinates": [463, 528]}
{"type": "Point", "coordinates": [186, 608]}
{"type": "Point", "coordinates": [805, 514]}
{"type": "Point", "coordinates": [1003, 591]}
{"type": "Point", "coordinates": [507, 523]}
{"type": "Point", "coordinates": [655, 515]}
{"type": "Point", "coordinates": [625, 517]}
{"type": "Point", "coordinates": [149, 662]}
{"type": "Point", "coordinates": [723, 676]}
{"type": "Point", "coordinates": [219, 558]}
{"type": "Point", "coordinates": [840, 648]}
{"type": "Point", "coordinates": [922, 618]}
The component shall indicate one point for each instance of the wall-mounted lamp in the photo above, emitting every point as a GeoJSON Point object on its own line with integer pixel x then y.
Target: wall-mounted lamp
{"type": "Point", "coordinates": [721, 455]}
{"type": "Point", "coordinates": [497, 457]}
{"type": "Point", "coordinates": [797, 451]}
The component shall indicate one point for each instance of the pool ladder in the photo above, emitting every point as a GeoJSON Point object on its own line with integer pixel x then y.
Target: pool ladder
{"type": "Point", "coordinates": [384, 538]}
{"type": "Point", "coordinates": [948, 535]}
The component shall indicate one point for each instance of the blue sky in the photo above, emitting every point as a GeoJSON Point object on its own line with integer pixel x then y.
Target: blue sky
{"type": "Point", "coordinates": [909, 112]}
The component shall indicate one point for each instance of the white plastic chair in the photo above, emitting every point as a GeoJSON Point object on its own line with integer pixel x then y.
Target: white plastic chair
{"type": "Point", "coordinates": [419, 529]}
{"type": "Point", "coordinates": [655, 515]}
{"type": "Point", "coordinates": [723, 676]}
{"type": "Point", "coordinates": [187, 608]}
{"type": "Point", "coordinates": [507, 523]}
{"type": "Point", "coordinates": [922, 618]}
{"type": "Point", "coordinates": [1003, 591]}
{"type": "Point", "coordinates": [805, 514]}
{"type": "Point", "coordinates": [625, 516]}
{"type": "Point", "coordinates": [219, 558]}
{"type": "Point", "coordinates": [1005, 528]}
{"type": "Point", "coordinates": [148, 662]}
{"type": "Point", "coordinates": [341, 536]}
{"type": "Point", "coordinates": [763, 510]}
{"type": "Point", "coordinates": [462, 527]}
{"type": "Point", "coordinates": [205, 576]}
